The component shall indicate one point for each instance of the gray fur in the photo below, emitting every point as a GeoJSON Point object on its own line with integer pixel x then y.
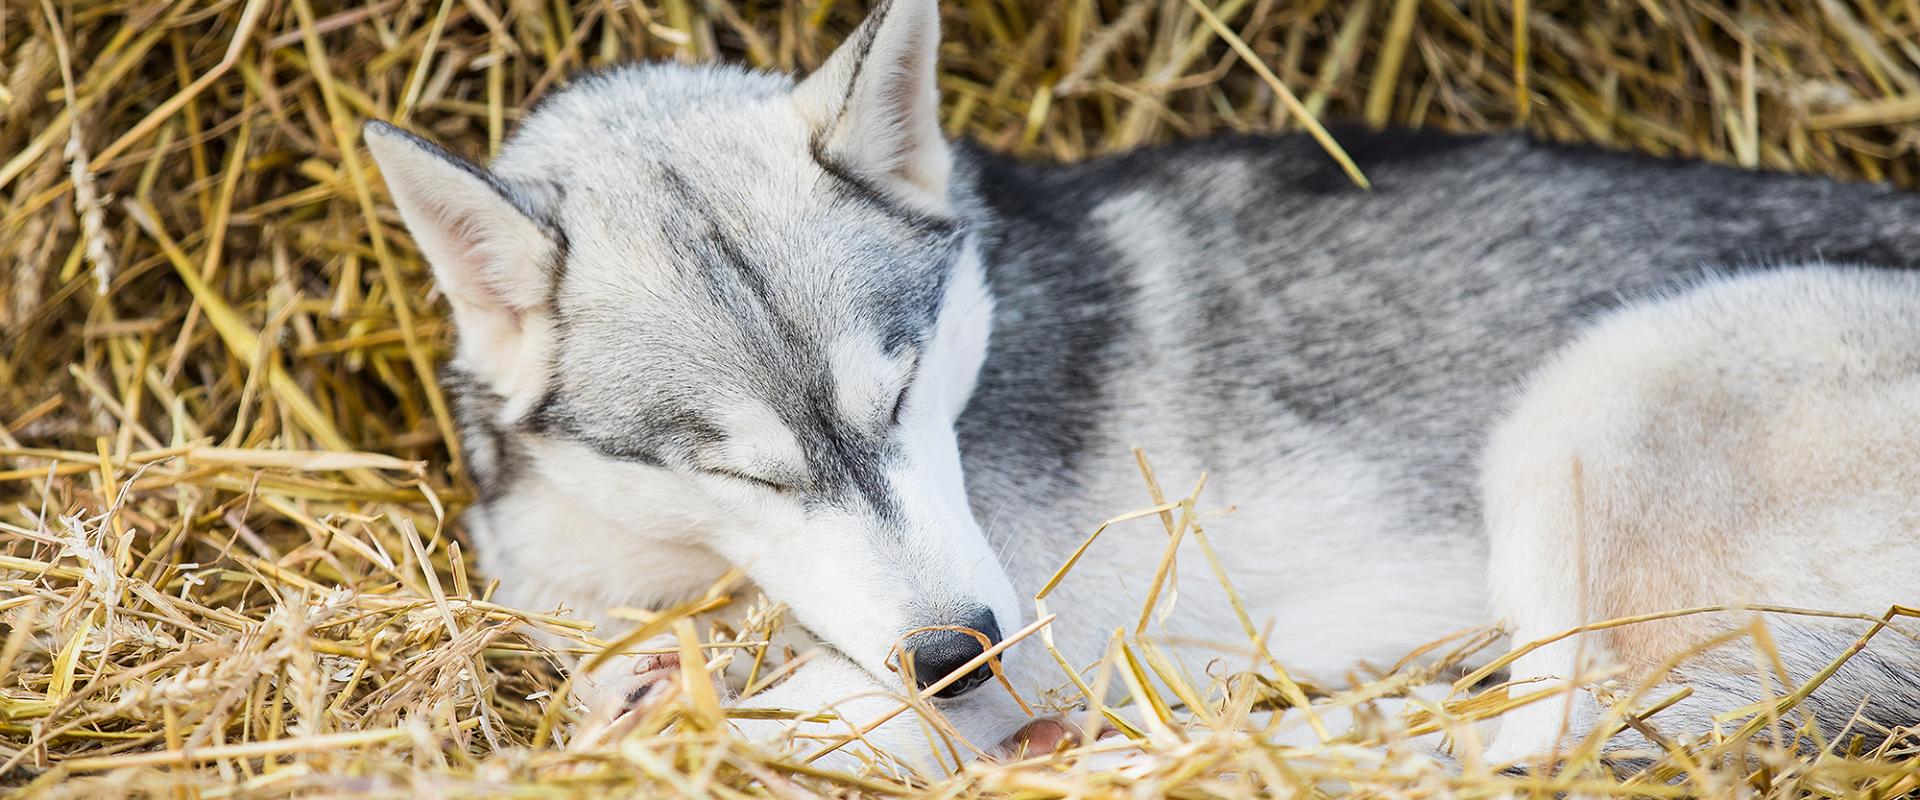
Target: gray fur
{"type": "Point", "coordinates": [1399, 320]}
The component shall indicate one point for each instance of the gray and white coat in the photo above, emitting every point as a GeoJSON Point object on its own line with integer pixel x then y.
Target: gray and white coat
{"type": "Point", "coordinates": [716, 318]}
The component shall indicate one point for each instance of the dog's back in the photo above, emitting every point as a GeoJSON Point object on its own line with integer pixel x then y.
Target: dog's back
{"type": "Point", "coordinates": [1249, 273]}
{"type": "Point", "coordinates": [1335, 357]}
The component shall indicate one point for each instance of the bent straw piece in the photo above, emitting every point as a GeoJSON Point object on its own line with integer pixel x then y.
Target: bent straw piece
{"type": "Point", "coordinates": [1280, 90]}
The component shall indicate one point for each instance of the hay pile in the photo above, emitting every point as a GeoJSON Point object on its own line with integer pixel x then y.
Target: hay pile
{"type": "Point", "coordinates": [226, 560]}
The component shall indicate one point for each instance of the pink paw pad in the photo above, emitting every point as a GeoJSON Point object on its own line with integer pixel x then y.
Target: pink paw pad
{"type": "Point", "coordinates": [650, 681]}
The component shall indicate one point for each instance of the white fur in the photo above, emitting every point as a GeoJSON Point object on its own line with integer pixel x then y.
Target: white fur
{"type": "Point", "coordinates": [760, 445]}
{"type": "Point", "coordinates": [865, 379]}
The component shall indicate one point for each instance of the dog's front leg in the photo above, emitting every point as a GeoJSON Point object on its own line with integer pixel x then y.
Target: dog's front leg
{"type": "Point", "coordinates": [868, 724]}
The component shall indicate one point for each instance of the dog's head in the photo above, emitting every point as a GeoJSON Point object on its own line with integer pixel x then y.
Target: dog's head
{"type": "Point", "coordinates": [718, 308]}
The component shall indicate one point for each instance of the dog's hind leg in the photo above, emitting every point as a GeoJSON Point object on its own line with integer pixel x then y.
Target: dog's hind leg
{"type": "Point", "coordinates": [1751, 441]}
{"type": "Point", "coordinates": [1542, 471]}
{"type": "Point", "coordinates": [1535, 586]}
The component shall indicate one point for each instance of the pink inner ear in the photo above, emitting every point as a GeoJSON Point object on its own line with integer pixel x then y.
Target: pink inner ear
{"type": "Point", "coordinates": [897, 102]}
{"type": "Point", "coordinates": [481, 283]}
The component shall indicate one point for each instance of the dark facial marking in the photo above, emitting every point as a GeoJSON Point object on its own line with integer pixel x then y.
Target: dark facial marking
{"type": "Point", "coordinates": [843, 460]}
{"type": "Point", "coordinates": [706, 232]}
{"type": "Point", "coordinates": [492, 453]}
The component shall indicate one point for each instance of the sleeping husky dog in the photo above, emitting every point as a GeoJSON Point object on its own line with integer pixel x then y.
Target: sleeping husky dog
{"type": "Point", "coordinates": [713, 318]}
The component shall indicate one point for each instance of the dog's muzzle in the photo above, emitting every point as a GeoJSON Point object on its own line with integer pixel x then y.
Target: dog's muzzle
{"type": "Point", "coordinates": [937, 654]}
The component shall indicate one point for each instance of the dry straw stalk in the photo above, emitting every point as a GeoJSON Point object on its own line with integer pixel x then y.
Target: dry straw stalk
{"type": "Point", "coordinates": [228, 565]}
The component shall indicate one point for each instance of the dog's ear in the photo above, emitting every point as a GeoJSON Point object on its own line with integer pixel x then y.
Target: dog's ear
{"type": "Point", "coordinates": [491, 258]}
{"type": "Point", "coordinates": [875, 105]}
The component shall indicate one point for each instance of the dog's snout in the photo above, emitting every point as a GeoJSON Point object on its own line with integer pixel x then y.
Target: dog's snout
{"type": "Point", "coordinates": [939, 653]}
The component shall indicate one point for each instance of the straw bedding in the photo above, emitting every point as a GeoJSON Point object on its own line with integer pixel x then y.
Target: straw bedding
{"type": "Point", "coordinates": [229, 564]}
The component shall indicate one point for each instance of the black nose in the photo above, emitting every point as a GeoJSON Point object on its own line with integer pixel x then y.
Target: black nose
{"type": "Point", "coordinates": [937, 654]}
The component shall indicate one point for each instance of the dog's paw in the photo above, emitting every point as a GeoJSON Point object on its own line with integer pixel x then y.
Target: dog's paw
{"type": "Point", "coordinates": [625, 684]}
{"type": "Point", "coordinates": [1045, 736]}
{"type": "Point", "coordinates": [650, 682]}
{"type": "Point", "coordinates": [619, 694]}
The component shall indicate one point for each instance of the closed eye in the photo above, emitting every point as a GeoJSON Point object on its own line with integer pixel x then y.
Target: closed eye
{"type": "Point", "coordinates": [900, 403]}
{"type": "Point", "coordinates": [760, 482]}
